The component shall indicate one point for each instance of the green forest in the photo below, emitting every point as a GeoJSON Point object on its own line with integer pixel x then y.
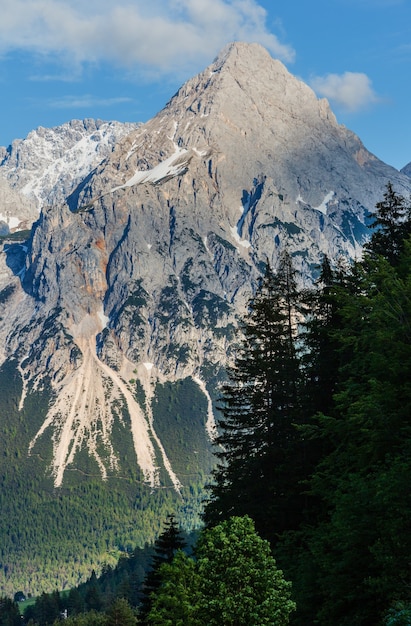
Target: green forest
{"type": "Point", "coordinates": [307, 517]}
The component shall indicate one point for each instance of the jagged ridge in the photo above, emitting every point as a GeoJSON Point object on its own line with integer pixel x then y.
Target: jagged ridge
{"type": "Point", "coordinates": [151, 261]}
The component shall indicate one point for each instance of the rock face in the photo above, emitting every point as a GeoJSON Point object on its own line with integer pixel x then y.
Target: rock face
{"type": "Point", "coordinates": [17, 212]}
{"type": "Point", "coordinates": [406, 170]}
{"type": "Point", "coordinates": [142, 273]}
{"type": "Point", "coordinates": [47, 166]}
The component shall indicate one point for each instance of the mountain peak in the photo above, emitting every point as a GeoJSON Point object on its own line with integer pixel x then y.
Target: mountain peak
{"type": "Point", "coordinates": [150, 262]}
{"type": "Point", "coordinates": [123, 305]}
{"type": "Point", "coordinates": [251, 52]}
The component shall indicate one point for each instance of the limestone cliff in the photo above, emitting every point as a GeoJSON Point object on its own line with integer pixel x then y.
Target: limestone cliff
{"type": "Point", "coordinates": [142, 273]}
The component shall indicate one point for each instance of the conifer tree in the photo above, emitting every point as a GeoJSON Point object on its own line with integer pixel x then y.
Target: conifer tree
{"type": "Point", "coordinates": [177, 599]}
{"type": "Point", "coordinates": [321, 357]}
{"type": "Point", "coordinates": [165, 547]}
{"type": "Point", "coordinates": [260, 406]}
{"type": "Point", "coordinates": [391, 226]}
{"type": "Point", "coordinates": [358, 550]}
{"type": "Point", "coordinates": [120, 613]}
{"type": "Point", "coordinates": [233, 581]}
{"type": "Point", "coordinates": [9, 612]}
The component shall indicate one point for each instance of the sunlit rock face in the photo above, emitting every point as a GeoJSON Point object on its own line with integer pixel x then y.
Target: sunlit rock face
{"type": "Point", "coordinates": [142, 271]}
{"type": "Point", "coordinates": [45, 167]}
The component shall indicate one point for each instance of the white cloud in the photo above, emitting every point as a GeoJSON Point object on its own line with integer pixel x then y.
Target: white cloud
{"type": "Point", "coordinates": [160, 36]}
{"type": "Point", "coordinates": [78, 102]}
{"type": "Point", "coordinates": [352, 90]}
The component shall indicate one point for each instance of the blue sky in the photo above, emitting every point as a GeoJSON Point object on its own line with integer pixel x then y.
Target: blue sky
{"type": "Point", "coordinates": [124, 59]}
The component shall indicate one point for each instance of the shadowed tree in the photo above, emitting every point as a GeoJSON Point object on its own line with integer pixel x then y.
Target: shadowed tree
{"type": "Point", "coordinates": [165, 547]}
{"type": "Point", "coordinates": [258, 442]}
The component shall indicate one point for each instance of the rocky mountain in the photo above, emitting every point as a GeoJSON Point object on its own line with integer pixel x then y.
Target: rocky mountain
{"type": "Point", "coordinates": [46, 166]}
{"type": "Point", "coordinates": [123, 303]}
{"type": "Point", "coordinates": [17, 212]}
{"type": "Point", "coordinates": [406, 170]}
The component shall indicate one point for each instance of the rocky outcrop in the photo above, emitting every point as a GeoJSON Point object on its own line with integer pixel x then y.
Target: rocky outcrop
{"type": "Point", "coordinates": [46, 166]}
{"type": "Point", "coordinates": [406, 170]}
{"type": "Point", "coordinates": [145, 270]}
{"type": "Point", "coordinates": [17, 212]}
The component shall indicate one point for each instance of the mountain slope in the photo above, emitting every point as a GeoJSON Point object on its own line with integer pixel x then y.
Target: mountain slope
{"type": "Point", "coordinates": [45, 167]}
{"type": "Point", "coordinates": [407, 169]}
{"type": "Point", "coordinates": [122, 307]}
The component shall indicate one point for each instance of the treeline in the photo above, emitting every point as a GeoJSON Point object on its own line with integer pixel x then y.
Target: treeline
{"type": "Point", "coordinates": [314, 458]}
{"type": "Point", "coordinates": [316, 431]}
{"type": "Point", "coordinates": [226, 576]}
{"type": "Point", "coordinates": [49, 538]}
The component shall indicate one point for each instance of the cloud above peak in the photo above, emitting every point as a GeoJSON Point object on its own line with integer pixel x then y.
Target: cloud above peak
{"type": "Point", "coordinates": [352, 91]}
{"type": "Point", "coordinates": [159, 36]}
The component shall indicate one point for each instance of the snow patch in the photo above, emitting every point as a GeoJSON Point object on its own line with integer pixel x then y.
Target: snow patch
{"type": "Point", "coordinates": [323, 206]}
{"type": "Point", "coordinates": [205, 242]}
{"type": "Point", "coordinates": [175, 165]}
{"type": "Point", "coordinates": [200, 152]}
{"type": "Point", "coordinates": [10, 220]}
{"type": "Point", "coordinates": [241, 242]}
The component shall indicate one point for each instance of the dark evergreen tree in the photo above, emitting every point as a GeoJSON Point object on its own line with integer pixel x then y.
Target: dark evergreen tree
{"type": "Point", "coordinates": [74, 602]}
{"type": "Point", "coordinates": [258, 442]}
{"type": "Point", "coordinates": [177, 599]}
{"type": "Point", "coordinates": [321, 359]}
{"type": "Point", "coordinates": [45, 610]}
{"type": "Point", "coordinates": [93, 597]}
{"type": "Point", "coordinates": [165, 547]}
{"type": "Point", "coordinates": [359, 548]}
{"type": "Point", "coordinates": [391, 226]}
{"type": "Point", "coordinates": [9, 613]}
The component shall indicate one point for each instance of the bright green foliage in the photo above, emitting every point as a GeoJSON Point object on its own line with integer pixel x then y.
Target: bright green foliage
{"type": "Point", "coordinates": [240, 582]}
{"type": "Point", "coordinates": [234, 582]}
{"type": "Point", "coordinates": [177, 600]}
{"type": "Point", "coordinates": [85, 619]}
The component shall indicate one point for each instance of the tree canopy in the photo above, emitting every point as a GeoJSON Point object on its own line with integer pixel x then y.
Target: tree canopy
{"type": "Point", "coordinates": [233, 581]}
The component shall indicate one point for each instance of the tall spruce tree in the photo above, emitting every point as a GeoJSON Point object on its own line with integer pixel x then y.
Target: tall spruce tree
{"type": "Point", "coordinates": [258, 441]}
{"type": "Point", "coordinates": [165, 547]}
{"type": "Point", "coordinates": [321, 355]}
{"type": "Point", "coordinates": [391, 226]}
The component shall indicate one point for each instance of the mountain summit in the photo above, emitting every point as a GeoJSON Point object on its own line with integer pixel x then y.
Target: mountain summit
{"type": "Point", "coordinates": [124, 302]}
{"type": "Point", "coordinates": [147, 266]}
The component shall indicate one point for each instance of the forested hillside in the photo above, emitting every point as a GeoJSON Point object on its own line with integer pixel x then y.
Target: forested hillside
{"type": "Point", "coordinates": [53, 538]}
{"type": "Point", "coordinates": [314, 459]}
